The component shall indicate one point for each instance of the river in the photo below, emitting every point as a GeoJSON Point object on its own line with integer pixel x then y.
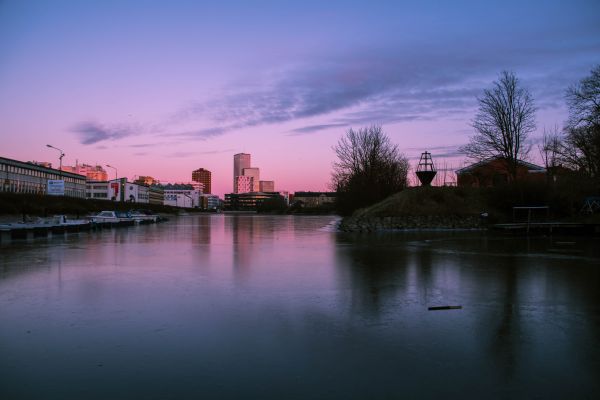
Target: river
{"type": "Point", "coordinates": [285, 307]}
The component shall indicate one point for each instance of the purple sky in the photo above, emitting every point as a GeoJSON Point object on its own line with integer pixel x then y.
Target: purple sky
{"type": "Point", "coordinates": [164, 87]}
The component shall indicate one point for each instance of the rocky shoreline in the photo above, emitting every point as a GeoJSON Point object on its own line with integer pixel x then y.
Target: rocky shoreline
{"type": "Point", "coordinates": [412, 222]}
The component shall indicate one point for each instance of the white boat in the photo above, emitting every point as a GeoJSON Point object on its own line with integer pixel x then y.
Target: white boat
{"type": "Point", "coordinates": [143, 216]}
{"type": "Point", "coordinates": [110, 216]}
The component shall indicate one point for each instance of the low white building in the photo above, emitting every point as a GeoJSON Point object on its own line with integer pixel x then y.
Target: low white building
{"type": "Point", "coordinates": [118, 190]}
{"type": "Point", "coordinates": [186, 198]}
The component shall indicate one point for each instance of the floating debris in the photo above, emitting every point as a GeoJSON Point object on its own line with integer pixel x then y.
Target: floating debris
{"type": "Point", "coordinates": [436, 308]}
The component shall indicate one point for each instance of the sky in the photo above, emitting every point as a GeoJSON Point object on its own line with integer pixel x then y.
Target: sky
{"type": "Point", "coordinates": [161, 88]}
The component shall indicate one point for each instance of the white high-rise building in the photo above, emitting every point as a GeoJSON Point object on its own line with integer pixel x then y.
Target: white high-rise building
{"type": "Point", "coordinates": [240, 162]}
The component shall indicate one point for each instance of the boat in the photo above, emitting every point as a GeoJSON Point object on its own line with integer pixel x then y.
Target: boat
{"type": "Point", "coordinates": [143, 216]}
{"type": "Point", "coordinates": [112, 217]}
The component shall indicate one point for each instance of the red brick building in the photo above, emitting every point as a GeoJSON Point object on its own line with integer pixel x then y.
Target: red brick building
{"type": "Point", "coordinates": [493, 172]}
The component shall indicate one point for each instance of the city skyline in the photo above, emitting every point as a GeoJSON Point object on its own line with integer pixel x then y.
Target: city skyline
{"type": "Point", "coordinates": [280, 81]}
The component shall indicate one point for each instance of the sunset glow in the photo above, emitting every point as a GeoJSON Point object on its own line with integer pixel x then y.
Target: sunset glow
{"type": "Point", "coordinates": [164, 88]}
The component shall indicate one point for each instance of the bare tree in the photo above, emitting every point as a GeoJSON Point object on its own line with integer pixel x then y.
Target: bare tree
{"type": "Point", "coordinates": [551, 148]}
{"type": "Point", "coordinates": [505, 118]}
{"type": "Point", "coordinates": [582, 131]}
{"type": "Point", "coordinates": [369, 168]}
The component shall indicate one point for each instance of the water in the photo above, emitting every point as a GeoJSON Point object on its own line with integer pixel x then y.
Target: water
{"type": "Point", "coordinates": [278, 307]}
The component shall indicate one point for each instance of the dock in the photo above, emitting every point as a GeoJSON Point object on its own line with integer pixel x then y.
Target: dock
{"type": "Point", "coordinates": [32, 230]}
{"type": "Point", "coordinates": [558, 228]}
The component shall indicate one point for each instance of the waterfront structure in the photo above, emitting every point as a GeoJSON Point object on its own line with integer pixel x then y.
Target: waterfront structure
{"type": "Point", "coordinates": [315, 199]}
{"type": "Point", "coordinates": [209, 202]}
{"type": "Point", "coordinates": [247, 201]}
{"type": "Point", "coordinates": [240, 161]}
{"type": "Point", "coordinates": [97, 190]}
{"type": "Point", "coordinates": [203, 176]}
{"type": "Point", "coordinates": [243, 184]}
{"type": "Point", "coordinates": [493, 172]}
{"type": "Point", "coordinates": [185, 198]}
{"type": "Point", "coordinates": [92, 173]}
{"type": "Point", "coordinates": [118, 190]}
{"type": "Point", "coordinates": [24, 177]}
{"type": "Point", "coordinates": [266, 186]}
{"type": "Point", "coordinates": [156, 195]}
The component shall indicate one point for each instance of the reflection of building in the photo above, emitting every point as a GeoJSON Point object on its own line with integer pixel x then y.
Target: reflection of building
{"type": "Point", "coordinates": [203, 176]}
{"type": "Point", "coordinates": [494, 171]}
{"type": "Point", "coordinates": [266, 186]}
{"type": "Point", "coordinates": [315, 199]}
{"type": "Point", "coordinates": [21, 177]}
{"type": "Point", "coordinates": [247, 201]}
{"type": "Point", "coordinates": [92, 173]}
{"type": "Point", "coordinates": [240, 161]}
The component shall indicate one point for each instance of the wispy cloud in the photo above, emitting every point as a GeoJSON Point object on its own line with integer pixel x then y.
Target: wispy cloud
{"type": "Point", "coordinates": [92, 132]}
{"type": "Point", "coordinates": [313, 128]}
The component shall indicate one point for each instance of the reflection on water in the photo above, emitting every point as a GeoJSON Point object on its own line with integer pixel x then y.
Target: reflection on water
{"type": "Point", "coordinates": [247, 306]}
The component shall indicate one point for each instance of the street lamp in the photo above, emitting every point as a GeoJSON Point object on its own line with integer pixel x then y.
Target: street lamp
{"type": "Point", "coordinates": [62, 154]}
{"type": "Point", "coordinates": [110, 166]}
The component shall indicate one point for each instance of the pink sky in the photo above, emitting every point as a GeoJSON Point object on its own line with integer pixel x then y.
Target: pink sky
{"type": "Point", "coordinates": [163, 89]}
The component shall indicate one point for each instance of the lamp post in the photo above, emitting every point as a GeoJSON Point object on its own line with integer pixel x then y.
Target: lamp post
{"type": "Point", "coordinates": [110, 166]}
{"type": "Point", "coordinates": [62, 154]}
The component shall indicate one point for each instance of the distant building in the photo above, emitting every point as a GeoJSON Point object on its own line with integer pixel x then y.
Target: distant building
{"type": "Point", "coordinates": [146, 180]}
{"type": "Point", "coordinates": [493, 172]}
{"type": "Point", "coordinates": [266, 186]}
{"type": "Point", "coordinates": [156, 195]}
{"type": "Point", "coordinates": [240, 161]}
{"type": "Point", "coordinates": [253, 173]}
{"type": "Point", "coordinates": [203, 176]}
{"type": "Point", "coordinates": [209, 202]}
{"type": "Point", "coordinates": [315, 199]}
{"type": "Point", "coordinates": [247, 201]}
{"type": "Point", "coordinates": [121, 190]}
{"type": "Point", "coordinates": [23, 177]}
{"type": "Point", "coordinates": [92, 173]}
{"type": "Point", "coordinates": [243, 184]}
{"type": "Point", "coordinates": [186, 198]}
{"type": "Point", "coordinates": [97, 190]}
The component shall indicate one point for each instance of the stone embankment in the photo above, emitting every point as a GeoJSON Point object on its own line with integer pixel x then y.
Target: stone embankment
{"type": "Point", "coordinates": [418, 222]}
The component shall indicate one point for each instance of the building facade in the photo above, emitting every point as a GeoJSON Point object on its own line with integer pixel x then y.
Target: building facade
{"type": "Point", "coordinates": [203, 176]}
{"type": "Point", "coordinates": [209, 202]}
{"type": "Point", "coordinates": [266, 186]}
{"type": "Point", "coordinates": [253, 173]}
{"type": "Point", "coordinates": [247, 201]}
{"type": "Point", "coordinates": [240, 162]}
{"type": "Point", "coordinates": [493, 172]}
{"type": "Point", "coordinates": [315, 199]}
{"type": "Point", "coordinates": [23, 177]}
{"type": "Point", "coordinates": [185, 198]}
{"type": "Point", "coordinates": [243, 184]}
{"type": "Point", "coordinates": [92, 173]}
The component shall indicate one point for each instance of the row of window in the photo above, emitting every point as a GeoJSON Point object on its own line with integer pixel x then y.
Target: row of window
{"type": "Point", "coordinates": [33, 172]}
{"type": "Point", "coordinates": [12, 186]}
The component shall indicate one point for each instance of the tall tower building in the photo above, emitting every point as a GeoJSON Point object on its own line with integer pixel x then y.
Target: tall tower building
{"type": "Point", "coordinates": [240, 162]}
{"type": "Point", "coordinates": [203, 176]}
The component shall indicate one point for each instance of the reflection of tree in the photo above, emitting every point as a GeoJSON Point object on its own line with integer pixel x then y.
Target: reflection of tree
{"type": "Point", "coordinates": [375, 270]}
{"type": "Point", "coordinates": [506, 339]}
